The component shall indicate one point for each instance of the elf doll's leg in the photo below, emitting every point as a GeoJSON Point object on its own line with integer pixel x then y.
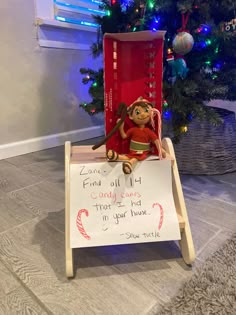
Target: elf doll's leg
{"type": "Point", "coordinates": [127, 166]}
{"type": "Point", "coordinates": [114, 156]}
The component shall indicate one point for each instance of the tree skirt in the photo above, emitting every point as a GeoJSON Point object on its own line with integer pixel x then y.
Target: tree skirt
{"type": "Point", "coordinates": [212, 288]}
{"type": "Point", "coordinates": [208, 150]}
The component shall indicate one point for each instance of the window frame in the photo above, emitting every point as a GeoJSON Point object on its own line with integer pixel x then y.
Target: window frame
{"type": "Point", "coordinates": [45, 17]}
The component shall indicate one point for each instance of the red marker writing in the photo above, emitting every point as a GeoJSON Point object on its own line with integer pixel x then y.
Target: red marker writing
{"type": "Point", "coordinates": [161, 214]}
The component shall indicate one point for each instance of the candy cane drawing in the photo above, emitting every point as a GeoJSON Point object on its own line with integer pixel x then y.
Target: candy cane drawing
{"type": "Point", "coordinates": [161, 214]}
{"type": "Point", "coordinates": [80, 225]}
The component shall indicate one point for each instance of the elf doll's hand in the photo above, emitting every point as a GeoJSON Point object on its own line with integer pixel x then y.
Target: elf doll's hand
{"type": "Point", "coordinates": [121, 129]}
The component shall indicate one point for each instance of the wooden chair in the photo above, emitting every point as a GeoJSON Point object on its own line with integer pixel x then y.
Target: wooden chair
{"type": "Point", "coordinates": [81, 154]}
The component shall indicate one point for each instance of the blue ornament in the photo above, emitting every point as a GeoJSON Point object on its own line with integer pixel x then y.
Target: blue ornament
{"type": "Point", "coordinates": [178, 69]}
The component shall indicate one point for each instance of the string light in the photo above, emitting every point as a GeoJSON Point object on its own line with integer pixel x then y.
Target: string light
{"type": "Point", "coordinates": [190, 117]}
{"type": "Point", "coordinates": [95, 84]}
{"type": "Point", "coordinates": [203, 44]}
{"type": "Point", "coordinates": [218, 66]}
{"type": "Point", "coordinates": [184, 129]}
{"type": "Point", "coordinates": [208, 42]}
{"type": "Point", "coordinates": [165, 104]}
{"type": "Point", "coordinates": [155, 24]}
{"type": "Point", "coordinates": [151, 5]}
{"type": "Point", "coordinates": [199, 30]}
{"type": "Point", "coordinates": [203, 29]}
{"type": "Point", "coordinates": [167, 115]}
{"type": "Point", "coordinates": [206, 29]}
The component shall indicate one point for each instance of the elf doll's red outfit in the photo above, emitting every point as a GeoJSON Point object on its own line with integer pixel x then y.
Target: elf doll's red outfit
{"type": "Point", "coordinates": [140, 142]}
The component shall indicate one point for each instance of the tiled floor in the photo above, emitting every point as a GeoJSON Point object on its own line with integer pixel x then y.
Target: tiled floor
{"type": "Point", "coordinates": [128, 279]}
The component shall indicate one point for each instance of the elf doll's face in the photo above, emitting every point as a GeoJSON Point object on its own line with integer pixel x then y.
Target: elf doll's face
{"type": "Point", "coordinates": [141, 115]}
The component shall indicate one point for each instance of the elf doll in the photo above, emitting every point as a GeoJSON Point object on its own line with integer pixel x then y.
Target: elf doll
{"type": "Point", "coordinates": [142, 113]}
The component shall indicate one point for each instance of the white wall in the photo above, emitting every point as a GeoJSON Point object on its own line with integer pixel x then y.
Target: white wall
{"type": "Point", "coordinates": [40, 88]}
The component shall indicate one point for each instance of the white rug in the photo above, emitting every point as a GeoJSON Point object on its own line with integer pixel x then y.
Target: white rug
{"type": "Point", "coordinates": [211, 289]}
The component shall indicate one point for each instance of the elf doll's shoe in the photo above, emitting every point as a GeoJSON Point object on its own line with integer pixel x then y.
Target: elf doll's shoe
{"type": "Point", "coordinates": [127, 167]}
{"type": "Point", "coordinates": [112, 155]}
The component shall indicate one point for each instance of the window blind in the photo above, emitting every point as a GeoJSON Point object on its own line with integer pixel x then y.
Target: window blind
{"type": "Point", "coordinates": [77, 11]}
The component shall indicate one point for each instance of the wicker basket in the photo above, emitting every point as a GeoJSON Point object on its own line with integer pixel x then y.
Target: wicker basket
{"type": "Point", "coordinates": [208, 150]}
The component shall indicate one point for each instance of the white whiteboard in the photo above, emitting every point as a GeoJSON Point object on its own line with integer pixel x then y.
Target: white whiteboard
{"type": "Point", "coordinates": [108, 207]}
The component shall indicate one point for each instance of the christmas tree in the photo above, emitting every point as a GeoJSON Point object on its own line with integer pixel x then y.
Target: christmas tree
{"type": "Point", "coordinates": [199, 55]}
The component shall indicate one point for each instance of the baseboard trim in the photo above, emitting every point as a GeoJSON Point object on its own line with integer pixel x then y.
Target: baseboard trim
{"type": "Point", "coordinates": [41, 143]}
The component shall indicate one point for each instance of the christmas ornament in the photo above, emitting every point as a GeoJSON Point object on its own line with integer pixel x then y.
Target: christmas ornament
{"type": "Point", "coordinates": [229, 26]}
{"type": "Point", "coordinates": [178, 68]}
{"type": "Point", "coordinates": [183, 43]}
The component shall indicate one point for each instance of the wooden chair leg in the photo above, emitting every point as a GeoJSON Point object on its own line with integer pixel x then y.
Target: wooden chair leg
{"type": "Point", "coordinates": [68, 249]}
{"type": "Point", "coordinates": [186, 242]}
